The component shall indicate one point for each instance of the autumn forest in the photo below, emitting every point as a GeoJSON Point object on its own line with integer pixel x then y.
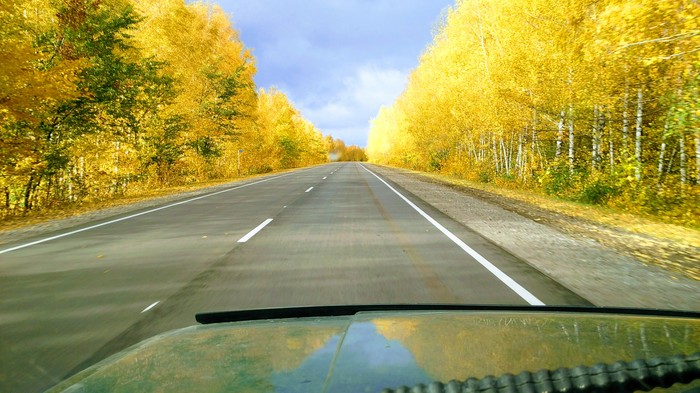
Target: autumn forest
{"type": "Point", "coordinates": [105, 98]}
{"type": "Point", "coordinates": [592, 101]}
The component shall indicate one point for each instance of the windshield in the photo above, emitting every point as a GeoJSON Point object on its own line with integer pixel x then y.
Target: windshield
{"type": "Point", "coordinates": [160, 159]}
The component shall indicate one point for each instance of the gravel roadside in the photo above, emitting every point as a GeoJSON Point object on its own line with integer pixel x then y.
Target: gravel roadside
{"type": "Point", "coordinates": [576, 253]}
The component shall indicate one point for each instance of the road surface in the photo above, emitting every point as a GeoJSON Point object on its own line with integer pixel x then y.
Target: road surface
{"type": "Point", "coordinates": [332, 234]}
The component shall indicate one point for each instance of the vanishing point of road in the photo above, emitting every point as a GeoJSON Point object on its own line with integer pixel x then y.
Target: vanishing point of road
{"type": "Point", "coordinates": [331, 234]}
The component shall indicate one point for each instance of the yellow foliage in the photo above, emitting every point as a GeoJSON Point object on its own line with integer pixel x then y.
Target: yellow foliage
{"type": "Point", "coordinates": [110, 97]}
{"type": "Point", "coordinates": [594, 92]}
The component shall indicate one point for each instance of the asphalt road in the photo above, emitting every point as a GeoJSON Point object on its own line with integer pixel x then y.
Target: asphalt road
{"type": "Point", "coordinates": [333, 234]}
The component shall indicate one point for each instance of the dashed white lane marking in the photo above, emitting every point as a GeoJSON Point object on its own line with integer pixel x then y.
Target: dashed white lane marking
{"type": "Point", "coordinates": [150, 307]}
{"type": "Point", "coordinates": [139, 214]}
{"type": "Point", "coordinates": [254, 231]}
{"type": "Point", "coordinates": [309, 189]}
{"type": "Point", "coordinates": [517, 288]}
{"type": "Point", "coordinates": [325, 177]}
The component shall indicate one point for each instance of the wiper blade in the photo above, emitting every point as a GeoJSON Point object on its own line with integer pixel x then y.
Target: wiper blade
{"type": "Point", "coordinates": [644, 375]}
{"type": "Point", "coordinates": [348, 310]}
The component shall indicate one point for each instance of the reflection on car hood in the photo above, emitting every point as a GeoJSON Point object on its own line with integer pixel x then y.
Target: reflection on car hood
{"type": "Point", "coordinates": [370, 351]}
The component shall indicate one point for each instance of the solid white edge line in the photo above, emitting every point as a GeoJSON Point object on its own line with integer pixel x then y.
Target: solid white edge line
{"type": "Point", "coordinates": [309, 189]}
{"type": "Point", "coordinates": [517, 288]}
{"type": "Point", "coordinates": [137, 214]}
{"type": "Point", "coordinates": [150, 307]}
{"type": "Point", "coordinates": [254, 231]}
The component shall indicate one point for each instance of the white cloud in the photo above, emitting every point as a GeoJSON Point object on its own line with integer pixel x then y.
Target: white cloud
{"type": "Point", "coordinates": [346, 115]}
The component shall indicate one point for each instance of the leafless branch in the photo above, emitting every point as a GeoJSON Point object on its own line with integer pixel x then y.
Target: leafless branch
{"type": "Point", "coordinates": [671, 38]}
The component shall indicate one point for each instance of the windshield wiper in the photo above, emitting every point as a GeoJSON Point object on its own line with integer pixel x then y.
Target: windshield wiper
{"type": "Point", "coordinates": [621, 376]}
{"type": "Point", "coordinates": [352, 309]}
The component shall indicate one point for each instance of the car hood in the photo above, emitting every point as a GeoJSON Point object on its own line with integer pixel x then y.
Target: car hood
{"type": "Point", "coordinates": [370, 351]}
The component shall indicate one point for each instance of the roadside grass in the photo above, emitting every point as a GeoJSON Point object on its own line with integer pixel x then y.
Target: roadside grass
{"type": "Point", "coordinates": [607, 216]}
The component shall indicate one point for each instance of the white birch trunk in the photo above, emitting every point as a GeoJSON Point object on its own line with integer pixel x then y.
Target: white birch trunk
{"type": "Point", "coordinates": [625, 121]}
{"type": "Point", "coordinates": [594, 140]}
{"type": "Point", "coordinates": [524, 167]}
{"type": "Point", "coordinates": [534, 141]}
{"type": "Point", "coordinates": [495, 154]}
{"type": "Point", "coordinates": [519, 156]}
{"type": "Point", "coordinates": [601, 133]}
{"type": "Point", "coordinates": [662, 149]}
{"type": "Point", "coordinates": [533, 154]}
{"type": "Point", "coordinates": [504, 156]}
{"type": "Point", "coordinates": [472, 149]}
{"type": "Point", "coordinates": [695, 120]}
{"type": "Point", "coordinates": [560, 133]}
{"type": "Point", "coordinates": [482, 143]}
{"type": "Point", "coordinates": [510, 151]}
{"type": "Point", "coordinates": [571, 138]}
{"type": "Point", "coordinates": [697, 156]}
{"type": "Point", "coordinates": [612, 150]}
{"type": "Point", "coordinates": [662, 152]}
{"type": "Point", "coordinates": [683, 165]}
{"type": "Point", "coordinates": [638, 137]}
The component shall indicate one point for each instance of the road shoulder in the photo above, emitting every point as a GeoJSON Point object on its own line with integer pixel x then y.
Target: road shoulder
{"type": "Point", "coordinates": [48, 226]}
{"type": "Point", "coordinates": [603, 275]}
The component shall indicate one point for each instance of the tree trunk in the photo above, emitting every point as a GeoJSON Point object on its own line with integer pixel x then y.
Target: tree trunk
{"type": "Point", "coordinates": [504, 155]}
{"type": "Point", "coordinates": [625, 122]}
{"type": "Point", "coordinates": [595, 140]}
{"type": "Point", "coordinates": [519, 156]}
{"type": "Point", "coordinates": [669, 164]}
{"type": "Point", "coordinates": [495, 154]}
{"type": "Point", "coordinates": [601, 133]}
{"type": "Point", "coordinates": [70, 184]}
{"type": "Point", "coordinates": [115, 182]}
{"type": "Point", "coordinates": [472, 149]}
{"type": "Point", "coordinates": [6, 192]}
{"type": "Point", "coordinates": [697, 156]}
{"type": "Point", "coordinates": [662, 149]}
{"type": "Point", "coordinates": [482, 143]}
{"type": "Point", "coordinates": [560, 133]}
{"type": "Point", "coordinates": [571, 138]}
{"type": "Point", "coordinates": [533, 155]}
{"type": "Point", "coordinates": [638, 137]}
{"type": "Point", "coordinates": [612, 150]}
{"type": "Point", "coordinates": [510, 151]}
{"type": "Point", "coordinates": [662, 152]}
{"type": "Point", "coordinates": [681, 147]}
{"type": "Point", "coordinates": [28, 194]}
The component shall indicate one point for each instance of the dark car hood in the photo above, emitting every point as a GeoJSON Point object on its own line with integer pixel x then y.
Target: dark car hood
{"type": "Point", "coordinates": [369, 351]}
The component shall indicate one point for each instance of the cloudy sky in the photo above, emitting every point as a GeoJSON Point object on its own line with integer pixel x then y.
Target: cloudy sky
{"type": "Point", "coordinates": [337, 60]}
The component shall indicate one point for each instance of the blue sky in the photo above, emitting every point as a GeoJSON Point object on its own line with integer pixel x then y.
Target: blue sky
{"type": "Point", "coordinates": [338, 61]}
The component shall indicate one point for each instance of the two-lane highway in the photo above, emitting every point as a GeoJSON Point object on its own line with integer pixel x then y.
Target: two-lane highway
{"type": "Point", "coordinates": [332, 234]}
